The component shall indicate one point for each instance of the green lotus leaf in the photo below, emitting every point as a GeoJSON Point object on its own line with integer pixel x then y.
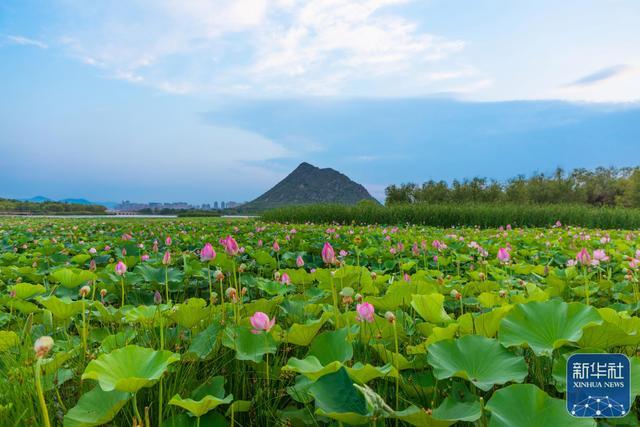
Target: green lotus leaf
{"type": "Point", "coordinates": [420, 417]}
{"type": "Point", "coordinates": [330, 346]}
{"type": "Point", "coordinates": [130, 368]}
{"type": "Point", "coordinates": [311, 367]}
{"type": "Point", "coordinates": [62, 308]}
{"type": "Point", "coordinates": [203, 344]}
{"type": "Point", "coordinates": [303, 334]}
{"type": "Point", "coordinates": [108, 313]}
{"type": "Point", "coordinates": [72, 277]}
{"type": "Point", "coordinates": [635, 376]}
{"type": "Point", "coordinates": [157, 274]}
{"type": "Point", "coordinates": [336, 397]}
{"type": "Point", "coordinates": [397, 359]}
{"type": "Point", "coordinates": [8, 339]}
{"type": "Point", "coordinates": [27, 290]}
{"type": "Point", "coordinates": [485, 324]}
{"type": "Point", "coordinates": [616, 331]}
{"type": "Point", "coordinates": [121, 339]}
{"type": "Point", "coordinates": [95, 408]}
{"type": "Point", "coordinates": [454, 410]}
{"type": "Point", "coordinates": [430, 307]}
{"type": "Point", "coordinates": [141, 314]}
{"type": "Point", "coordinates": [525, 405]}
{"type": "Point", "coordinates": [483, 361]}
{"type": "Point", "coordinates": [191, 313]}
{"type": "Point", "coordinates": [545, 326]}
{"type": "Point", "coordinates": [248, 346]}
{"type": "Point", "coordinates": [200, 407]}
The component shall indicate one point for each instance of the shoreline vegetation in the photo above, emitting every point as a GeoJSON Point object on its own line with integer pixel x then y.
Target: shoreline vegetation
{"type": "Point", "coordinates": [465, 214]}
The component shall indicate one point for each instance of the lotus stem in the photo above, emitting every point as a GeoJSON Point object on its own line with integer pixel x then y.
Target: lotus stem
{"type": "Point", "coordinates": [122, 286]}
{"type": "Point", "coordinates": [166, 283]}
{"type": "Point", "coordinates": [134, 402]}
{"type": "Point", "coordinates": [335, 302]}
{"type": "Point", "coordinates": [43, 403]}
{"type": "Point", "coordinates": [395, 339]}
{"type": "Point", "coordinates": [84, 331]}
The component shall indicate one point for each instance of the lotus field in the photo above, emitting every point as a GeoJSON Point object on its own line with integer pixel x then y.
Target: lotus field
{"type": "Point", "coordinates": [179, 322]}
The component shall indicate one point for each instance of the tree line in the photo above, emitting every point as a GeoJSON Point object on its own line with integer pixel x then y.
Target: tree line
{"type": "Point", "coordinates": [599, 187]}
{"type": "Point", "coordinates": [17, 206]}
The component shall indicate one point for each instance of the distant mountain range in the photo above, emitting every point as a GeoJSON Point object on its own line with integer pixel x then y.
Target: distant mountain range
{"type": "Point", "coordinates": [309, 184]}
{"type": "Point", "coordinates": [42, 199]}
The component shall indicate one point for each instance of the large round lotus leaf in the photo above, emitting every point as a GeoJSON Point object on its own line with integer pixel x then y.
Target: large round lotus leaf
{"type": "Point", "coordinates": [303, 334]}
{"type": "Point", "coordinates": [331, 346]}
{"type": "Point", "coordinates": [191, 312]}
{"type": "Point", "coordinates": [337, 398]}
{"type": "Point", "coordinates": [26, 290]}
{"type": "Point", "coordinates": [72, 277]}
{"type": "Point", "coordinates": [525, 405]}
{"type": "Point", "coordinates": [200, 407]}
{"type": "Point", "coordinates": [420, 417]}
{"type": "Point", "coordinates": [454, 410]}
{"type": "Point", "coordinates": [96, 408]}
{"type": "Point", "coordinates": [248, 346]}
{"type": "Point", "coordinates": [483, 361]}
{"type": "Point", "coordinates": [616, 331]}
{"type": "Point", "coordinates": [430, 307]}
{"type": "Point", "coordinates": [62, 308]}
{"type": "Point", "coordinates": [129, 368]}
{"type": "Point", "coordinates": [311, 368]}
{"type": "Point", "coordinates": [545, 326]}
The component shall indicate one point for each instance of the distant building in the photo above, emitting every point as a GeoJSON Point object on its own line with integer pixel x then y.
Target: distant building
{"type": "Point", "coordinates": [222, 205]}
{"type": "Point", "coordinates": [215, 205]}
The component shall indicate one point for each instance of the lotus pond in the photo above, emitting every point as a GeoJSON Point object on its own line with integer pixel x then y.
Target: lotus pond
{"type": "Point", "coordinates": [215, 322]}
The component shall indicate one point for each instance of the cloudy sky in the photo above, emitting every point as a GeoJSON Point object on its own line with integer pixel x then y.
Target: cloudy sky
{"type": "Point", "coordinates": [207, 100]}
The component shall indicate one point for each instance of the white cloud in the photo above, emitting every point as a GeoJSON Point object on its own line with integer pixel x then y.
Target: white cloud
{"type": "Point", "coordinates": [257, 47]}
{"type": "Point", "coordinates": [25, 41]}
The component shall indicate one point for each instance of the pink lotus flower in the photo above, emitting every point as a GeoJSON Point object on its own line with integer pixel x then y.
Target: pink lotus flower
{"type": "Point", "coordinates": [365, 312]}
{"type": "Point", "coordinates": [167, 241]}
{"type": "Point", "coordinates": [328, 254]}
{"type": "Point", "coordinates": [414, 250]}
{"type": "Point", "coordinates": [285, 279]}
{"type": "Point", "coordinates": [261, 322]}
{"type": "Point", "coordinates": [121, 268]}
{"type": "Point", "coordinates": [155, 246]}
{"type": "Point", "coordinates": [107, 248]}
{"type": "Point", "coordinates": [207, 253]}
{"type": "Point", "coordinates": [92, 251]}
{"type": "Point", "coordinates": [276, 246]}
{"type": "Point", "coordinates": [503, 255]}
{"type": "Point", "coordinates": [600, 255]}
{"type": "Point", "coordinates": [166, 258]}
{"type": "Point", "coordinates": [583, 257]}
{"type": "Point", "coordinates": [299, 261]}
{"type": "Point", "coordinates": [231, 246]}
{"type": "Point", "coordinates": [144, 257]}
{"type": "Point", "coordinates": [343, 253]}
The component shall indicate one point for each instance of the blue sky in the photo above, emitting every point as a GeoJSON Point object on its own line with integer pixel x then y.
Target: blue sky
{"type": "Point", "coordinates": [208, 100]}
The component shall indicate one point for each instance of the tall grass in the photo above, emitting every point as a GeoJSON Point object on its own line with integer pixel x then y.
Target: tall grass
{"type": "Point", "coordinates": [446, 215]}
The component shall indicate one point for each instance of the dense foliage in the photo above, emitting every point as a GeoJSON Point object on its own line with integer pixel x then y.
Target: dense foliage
{"type": "Point", "coordinates": [601, 187]}
{"type": "Point", "coordinates": [449, 214]}
{"type": "Point", "coordinates": [48, 207]}
{"type": "Point", "coordinates": [179, 322]}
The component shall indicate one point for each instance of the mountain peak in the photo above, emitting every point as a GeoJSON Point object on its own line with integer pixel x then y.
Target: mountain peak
{"type": "Point", "coordinates": [308, 184]}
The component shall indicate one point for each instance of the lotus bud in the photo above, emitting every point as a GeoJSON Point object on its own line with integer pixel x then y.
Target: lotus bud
{"type": "Point", "coordinates": [391, 318]}
{"type": "Point", "coordinates": [243, 291]}
{"type": "Point", "coordinates": [481, 276]}
{"type": "Point", "coordinates": [276, 276]}
{"type": "Point", "coordinates": [213, 298]}
{"type": "Point", "coordinates": [374, 275]}
{"type": "Point", "coordinates": [357, 297]}
{"type": "Point", "coordinates": [285, 279]}
{"type": "Point", "coordinates": [43, 346]}
{"type": "Point", "coordinates": [218, 275]}
{"type": "Point", "coordinates": [207, 253]}
{"type": "Point", "coordinates": [261, 322]}
{"type": "Point", "coordinates": [502, 293]}
{"type": "Point", "coordinates": [103, 292]}
{"type": "Point", "coordinates": [276, 246]}
{"type": "Point", "coordinates": [166, 258]}
{"type": "Point", "coordinates": [242, 268]}
{"type": "Point", "coordinates": [455, 294]}
{"type": "Point", "coordinates": [365, 312]}
{"type": "Point", "coordinates": [92, 265]}
{"type": "Point", "coordinates": [121, 268]}
{"type": "Point", "coordinates": [144, 257]}
{"type": "Point", "coordinates": [231, 294]}
{"type": "Point", "coordinates": [84, 291]}
{"type": "Point", "coordinates": [299, 262]}
{"type": "Point", "coordinates": [157, 298]}
{"type": "Point", "coordinates": [155, 246]}
{"type": "Point", "coordinates": [168, 241]}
